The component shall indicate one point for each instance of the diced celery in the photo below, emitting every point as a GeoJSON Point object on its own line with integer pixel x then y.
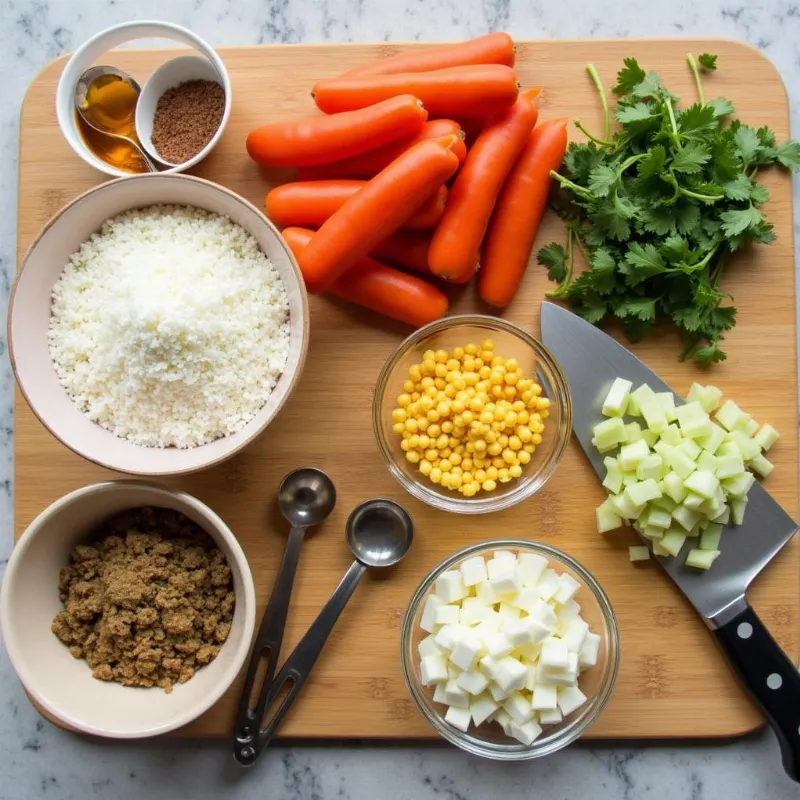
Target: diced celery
{"type": "Point", "coordinates": [748, 447]}
{"type": "Point", "coordinates": [658, 550]}
{"type": "Point", "coordinates": [607, 517]}
{"type": "Point", "coordinates": [639, 552]}
{"type": "Point", "coordinates": [628, 478]}
{"type": "Point", "coordinates": [728, 448]}
{"type": "Point", "coordinates": [701, 559]}
{"type": "Point", "coordinates": [667, 401]}
{"type": "Point", "coordinates": [692, 449]}
{"type": "Point", "coordinates": [672, 435]}
{"type": "Point", "coordinates": [709, 539]}
{"type": "Point", "coordinates": [712, 507]}
{"type": "Point", "coordinates": [739, 485]}
{"type": "Point", "coordinates": [608, 433]}
{"type": "Point", "coordinates": [633, 432]}
{"type": "Point", "coordinates": [653, 414]}
{"type": "Point", "coordinates": [680, 462]}
{"type": "Point", "coordinates": [686, 517]}
{"type": "Point", "coordinates": [656, 518]}
{"type": "Point", "coordinates": [632, 454]}
{"type": "Point", "coordinates": [651, 532]}
{"type": "Point", "coordinates": [766, 437]}
{"type": "Point", "coordinates": [731, 417]}
{"type": "Point", "coordinates": [641, 393]}
{"type": "Point", "coordinates": [707, 396]}
{"type": "Point", "coordinates": [643, 491]}
{"type": "Point", "coordinates": [725, 517]}
{"type": "Point", "coordinates": [694, 420]}
{"type": "Point", "coordinates": [693, 501]}
{"type": "Point", "coordinates": [624, 507]}
{"type": "Point", "coordinates": [728, 466]}
{"type": "Point", "coordinates": [673, 486]}
{"type": "Point", "coordinates": [713, 440]}
{"type": "Point", "coordinates": [613, 479]}
{"type": "Point", "coordinates": [664, 502]}
{"type": "Point", "coordinates": [617, 398]}
{"type": "Point", "coordinates": [662, 448]}
{"type": "Point", "coordinates": [761, 465]}
{"type": "Point", "coordinates": [738, 507]}
{"type": "Point", "coordinates": [672, 541]}
{"type": "Point", "coordinates": [703, 483]}
{"type": "Point", "coordinates": [694, 531]}
{"type": "Point", "coordinates": [651, 437]}
{"type": "Point", "coordinates": [707, 462]}
{"type": "Point", "coordinates": [752, 427]}
{"type": "Point", "coordinates": [650, 467]}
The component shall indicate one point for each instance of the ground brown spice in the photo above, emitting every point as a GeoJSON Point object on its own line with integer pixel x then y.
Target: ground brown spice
{"type": "Point", "coordinates": [186, 119]}
{"type": "Point", "coordinates": [148, 601]}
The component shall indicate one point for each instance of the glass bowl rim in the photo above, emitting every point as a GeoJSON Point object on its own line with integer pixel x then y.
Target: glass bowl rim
{"type": "Point", "coordinates": [582, 721]}
{"type": "Point", "coordinates": [495, 502]}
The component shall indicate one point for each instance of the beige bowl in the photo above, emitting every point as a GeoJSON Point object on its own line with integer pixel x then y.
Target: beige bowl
{"type": "Point", "coordinates": [62, 685]}
{"type": "Point", "coordinates": [29, 315]}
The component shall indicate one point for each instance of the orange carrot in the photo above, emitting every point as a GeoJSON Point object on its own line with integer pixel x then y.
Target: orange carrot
{"type": "Point", "coordinates": [370, 164]}
{"type": "Point", "coordinates": [377, 210]}
{"type": "Point", "coordinates": [518, 212]}
{"type": "Point", "coordinates": [406, 249]}
{"type": "Point", "coordinates": [321, 139]}
{"type": "Point", "coordinates": [380, 288]}
{"type": "Point", "coordinates": [456, 242]}
{"type": "Point", "coordinates": [310, 203]}
{"type": "Point", "coordinates": [494, 48]}
{"type": "Point", "coordinates": [453, 92]}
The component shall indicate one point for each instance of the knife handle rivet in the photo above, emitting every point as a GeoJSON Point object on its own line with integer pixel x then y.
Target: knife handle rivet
{"type": "Point", "coordinates": [745, 630]}
{"type": "Point", "coordinates": [774, 681]}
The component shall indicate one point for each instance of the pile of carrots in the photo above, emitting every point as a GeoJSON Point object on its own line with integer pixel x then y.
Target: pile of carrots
{"type": "Point", "coordinates": [373, 173]}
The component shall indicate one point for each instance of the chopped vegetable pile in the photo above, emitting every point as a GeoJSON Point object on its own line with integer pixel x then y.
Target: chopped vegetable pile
{"type": "Point", "coordinates": [683, 476]}
{"type": "Point", "coordinates": [658, 208]}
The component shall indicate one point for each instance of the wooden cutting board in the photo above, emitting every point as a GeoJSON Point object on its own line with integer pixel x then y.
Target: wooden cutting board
{"type": "Point", "coordinates": [673, 682]}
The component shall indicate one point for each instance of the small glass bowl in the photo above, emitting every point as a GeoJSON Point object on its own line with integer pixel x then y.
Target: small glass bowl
{"type": "Point", "coordinates": [510, 341]}
{"type": "Point", "coordinates": [597, 683]}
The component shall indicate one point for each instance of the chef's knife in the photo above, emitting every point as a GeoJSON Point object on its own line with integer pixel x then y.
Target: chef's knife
{"type": "Point", "coordinates": [591, 360]}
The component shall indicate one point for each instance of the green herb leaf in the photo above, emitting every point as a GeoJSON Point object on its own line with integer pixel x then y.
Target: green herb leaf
{"type": "Point", "coordinates": [707, 61]}
{"type": "Point", "coordinates": [710, 354]}
{"type": "Point", "coordinates": [602, 180]}
{"type": "Point", "coordinates": [697, 121]}
{"type": "Point", "coordinates": [738, 189]}
{"type": "Point", "coordinates": [739, 220]}
{"type": "Point", "coordinates": [629, 76]}
{"type": "Point", "coordinates": [637, 112]}
{"type": "Point", "coordinates": [642, 308]}
{"type": "Point", "coordinates": [721, 106]}
{"type": "Point", "coordinates": [592, 308]}
{"type": "Point", "coordinates": [642, 262]}
{"type": "Point", "coordinates": [758, 193]}
{"type": "Point", "coordinates": [689, 318]}
{"type": "Point", "coordinates": [675, 248]}
{"type": "Point", "coordinates": [746, 143]}
{"type": "Point", "coordinates": [690, 159]}
{"type": "Point", "coordinates": [554, 258]}
{"type": "Point", "coordinates": [788, 154]}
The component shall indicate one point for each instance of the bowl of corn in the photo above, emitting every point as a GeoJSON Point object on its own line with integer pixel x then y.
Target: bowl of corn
{"type": "Point", "coordinates": [472, 414]}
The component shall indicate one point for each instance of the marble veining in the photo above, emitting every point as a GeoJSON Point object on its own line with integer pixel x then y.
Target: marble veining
{"type": "Point", "coordinates": [38, 760]}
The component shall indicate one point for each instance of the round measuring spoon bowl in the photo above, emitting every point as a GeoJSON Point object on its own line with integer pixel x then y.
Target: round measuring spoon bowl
{"type": "Point", "coordinates": [379, 532]}
{"type": "Point", "coordinates": [306, 497]}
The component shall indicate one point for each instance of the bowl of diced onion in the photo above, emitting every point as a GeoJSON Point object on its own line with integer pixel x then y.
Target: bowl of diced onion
{"type": "Point", "coordinates": [472, 414]}
{"type": "Point", "coordinates": [510, 649]}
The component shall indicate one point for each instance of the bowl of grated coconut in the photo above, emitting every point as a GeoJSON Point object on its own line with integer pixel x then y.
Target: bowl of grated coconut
{"type": "Point", "coordinates": [158, 324]}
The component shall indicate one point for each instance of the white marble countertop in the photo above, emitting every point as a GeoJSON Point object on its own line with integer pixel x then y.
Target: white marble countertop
{"type": "Point", "coordinates": [38, 760]}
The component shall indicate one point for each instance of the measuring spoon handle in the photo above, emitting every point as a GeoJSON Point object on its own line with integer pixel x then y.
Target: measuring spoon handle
{"type": "Point", "coordinates": [298, 665]}
{"type": "Point", "coordinates": [270, 636]}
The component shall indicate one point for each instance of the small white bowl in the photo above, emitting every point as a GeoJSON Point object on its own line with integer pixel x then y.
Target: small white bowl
{"type": "Point", "coordinates": [62, 685]}
{"type": "Point", "coordinates": [173, 73]}
{"type": "Point", "coordinates": [30, 307]}
{"type": "Point", "coordinates": [88, 54]}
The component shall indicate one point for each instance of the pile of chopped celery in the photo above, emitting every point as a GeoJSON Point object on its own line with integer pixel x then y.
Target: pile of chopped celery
{"type": "Point", "coordinates": [679, 473]}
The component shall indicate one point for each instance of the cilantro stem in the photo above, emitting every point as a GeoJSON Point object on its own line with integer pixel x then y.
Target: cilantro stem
{"type": "Point", "coordinates": [673, 124]}
{"type": "Point", "coordinates": [601, 91]}
{"type": "Point", "coordinates": [706, 198]}
{"type": "Point", "coordinates": [562, 287]}
{"type": "Point", "coordinates": [602, 142]}
{"type": "Point", "coordinates": [581, 245]}
{"type": "Point", "coordinates": [566, 183]}
{"type": "Point", "coordinates": [704, 261]}
{"type": "Point", "coordinates": [696, 72]}
{"type": "Point", "coordinates": [629, 162]}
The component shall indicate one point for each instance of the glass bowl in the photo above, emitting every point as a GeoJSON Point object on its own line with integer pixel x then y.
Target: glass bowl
{"type": "Point", "coordinates": [597, 682]}
{"type": "Point", "coordinates": [510, 341]}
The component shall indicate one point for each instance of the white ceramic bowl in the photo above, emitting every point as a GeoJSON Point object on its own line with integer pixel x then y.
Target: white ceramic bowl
{"type": "Point", "coordinates": [29, 317]}
{"type": "Point", "coordinates": [87, 55]}
{"type": "Point", "coordinates": [62, 685]}
{"type": "Point", "coordinates": [171, 73]}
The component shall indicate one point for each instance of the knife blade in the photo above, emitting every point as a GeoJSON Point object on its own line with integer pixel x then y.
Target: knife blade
{"type": "Point", "coordinates": [591, 360]}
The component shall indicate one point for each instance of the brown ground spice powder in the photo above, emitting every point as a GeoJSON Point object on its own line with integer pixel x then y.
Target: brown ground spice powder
{"type": "Point", "coordinates": [148, 602]}
{"type": "Point", "coordinates": [186, 119]}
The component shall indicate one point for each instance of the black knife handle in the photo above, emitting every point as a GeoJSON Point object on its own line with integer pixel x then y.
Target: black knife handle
{"type": "Point", "coordinates": [770, 677]}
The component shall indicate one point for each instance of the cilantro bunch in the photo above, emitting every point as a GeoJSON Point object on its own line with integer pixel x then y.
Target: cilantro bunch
{"type": "Point", "coordinates": [657, 208]}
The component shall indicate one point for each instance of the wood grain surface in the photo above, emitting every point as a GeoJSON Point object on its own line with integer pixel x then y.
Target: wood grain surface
{"type": "Point", "coordinates": [673, 681]}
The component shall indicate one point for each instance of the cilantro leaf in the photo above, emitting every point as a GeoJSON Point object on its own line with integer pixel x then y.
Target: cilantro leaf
{"type": "Point", "coordinates": [642, 308]}
{"type": "Point", "coordinates": [629, 76]}
{"type": "Point", "coordinates": [601, 274]}
{"type": "Point", "coordinates": [696, 121]}
{"type": "Point", "coordinates": [721, 106]}
{"type": "Point", "coordinates": [746, 143]}
{"type": "Point", "coordinates": [592, 309]}
{"type": "Point", "coordinates": [675, 248]}
{"type": "Point", "coordinates": [691, 158]}
{"type": "Point", "coordinates": [657, 219]}
{"type": "Point", "coordinates": [710, 354]}
{"type": "Point", "coordinates": [609, 221]}
{"type": "Point", "coordinates": [720, 319]}
{"type": "Point", "coordinates": [738, 189]}
{"type": "Point", "coordinates": [687, 217]}
{"type": "Point", "coordinates": [758, 193]}
{"type": "Point", "coordinates": [707, 61]}
{"type": "Point", "coordinates": [689, 318]}
{"type": "Point", "coordinates": [788, 154]}
{"type": "Point", "coordinates": [554, 258]}
{"type": "Point", "coordinates": [738, 220]}
{"type": "Point", "coordinates": [636, 112]}
{"type": "Point", "coordinates": [602, 180]}
{"type": "Point", "coordinates": [641, 262]}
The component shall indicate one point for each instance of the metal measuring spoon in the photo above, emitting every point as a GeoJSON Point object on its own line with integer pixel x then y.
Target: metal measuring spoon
{"type": "Point", "coordinates": [84, 109]}
{"type": "Point", "coordinates": [379, 532]}
{"type": "Point", "coordinates": [306, 497]}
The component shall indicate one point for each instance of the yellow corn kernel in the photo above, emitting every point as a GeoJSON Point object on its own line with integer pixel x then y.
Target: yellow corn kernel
{"type": "Point", "coordinates": [488, 486]}
{"type": "Point", "coordinates": [486, 417]}
{"type": "Point", "coordinates": [432, 454]}
{"type": "Point", "coordinates": [433, 415]}
{"type": "Point", "coordinates": [434, 431]}
{"type": "Point", "coordinates": [476, 404]}
{"type": "Point", "coordinates": [509, 456]}
{"type": "Point", "coordinates": [441, 441]}
{"type": "Point", "coordinates": [446, 452]}
{"type": "Point", "coordinates": [453, 364]}
{"type": "Point", "coordinates": [528, 397]}
{"type": "Point", "coordinates": [502, 440]}
{"type": "Point", "coordinates": [459, 431]}
{"type": "Point", "coordinates": [427, 382]}
{"type": "Point", "coordinates": [445, 465]}
{"type": "Point", "coordinates": [496, 378]}
{"type": "Point", "coordinates": [510, 419]}
{"type": "Point", "coordinates": [398, 427]}
{"type": "Point", "coordinates": [471, 350]}
{"type": "Point", "coordinates": [436, 475]}
{"type": "Point", "coordinates": [480, 445]}
{"type": "Point", "coordinates": [491, 473]}
{"type": "Point", "coordinates": [536, 438]}
{"type": "Point", "coordinates": [523, 417]}
{"type": "Point", "coordinates": [455, 469]}
{"type": "Point", "coordinates": [518, 405]}
{"type": "Point", "coordinates": [459, 449]}
{"type": "Point", "coordinates": [413, 441]}
{"type": "Point", "coordinates": [466, 476]}
{"type": "Point", "coordinates": [452, 442]}
{"type": "Point", "coordinates": [529, 448]}
{"type": "Point", "coordinates": [424, 441]}
{"type": "Point", "coordinates": [404, 400]}
{"type": "Point", "coordinates": [487, 344]}
{"type": "Point", "coordinates": [497, 391]}
{"type": "Point", "coordinates": [447, 427]}
{"type": "Point", "coordinates": [497, 461]}
{"type": "Point", "coordinates": [429, 355]}
{"type": "Point", "coordinates": [411, 425]}
{"type": "Point", "coordinates": [443, 408]}
{"type": "Point", "coordinates": [399, 415]}
{"type": "Point", "coordinates": [440, 370]}
{"type": "Point", "coordinates": [440, 384]}
{"type": "Point", "coordinates": [432, 392]}
{"type": "Point", "coordinates": [524, 433]}
{"type": "Point", "coordinates": [457, 406]}
{"type": "Point", "coordinates": [449, 391]}
{"type": "Point", "coordinates": [471, 378]}
{"type": "Point", "coordinates": [489, 434]}
{"type": "Point", "coordinates": [487, 356]}
{"type": "Point", "coordinates": [494, 449]}
{"type": "Point", "coordinates": [404, 446]}
{"type": "Point", "coordinates": [515, 471]}
{"type": "Point", "coordinates": [470, 447]}
{"type": "Point", "coordinates": [412, 456]}
{"type": "Point", "coordinates": [469, 490]}
{"type": "Point", "coordinates": [408, 386]}
{"type": "Point", "coordinates": [440, 356]}
{"type": "Point", "coordinates": [429, 368]}
{"type": "Point", "coordinates": [480, 475]}
{"type": "Point", "coordinates": [545, 413]}
{"type": "Point", "coordinates": [455, 481]}
{"type": "Point", "coordinates": [524, 457]}
{"type": "Point", "coordinates": [484, 373]}
{"type": "Point", "coordinates": [458, 353]}
{"type": "Point", "coordinates": [542, 403]}
{"type": "Point", "coordinates": [455, 458]}
{"type": "Point", "coordinates": [466, 462]}
{"type": "Point", "coordinates": [415, 373]}
{"type": "Point", "coordinates": [514, 443]}
{"type": "Point", "coordinates": [503, 475]}
{"type": "Point", "coordinates": [425, 467]}
{"type": "Point", "coordinates": [524, 384]}
{"type": "Point", "coordinates": [497, 361]}
{"type": "Point", "coordinates": [446, 477]}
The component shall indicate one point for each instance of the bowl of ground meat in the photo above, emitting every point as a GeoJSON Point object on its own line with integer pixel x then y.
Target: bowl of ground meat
{"type": "Point", "coordinates": [127, 609]}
